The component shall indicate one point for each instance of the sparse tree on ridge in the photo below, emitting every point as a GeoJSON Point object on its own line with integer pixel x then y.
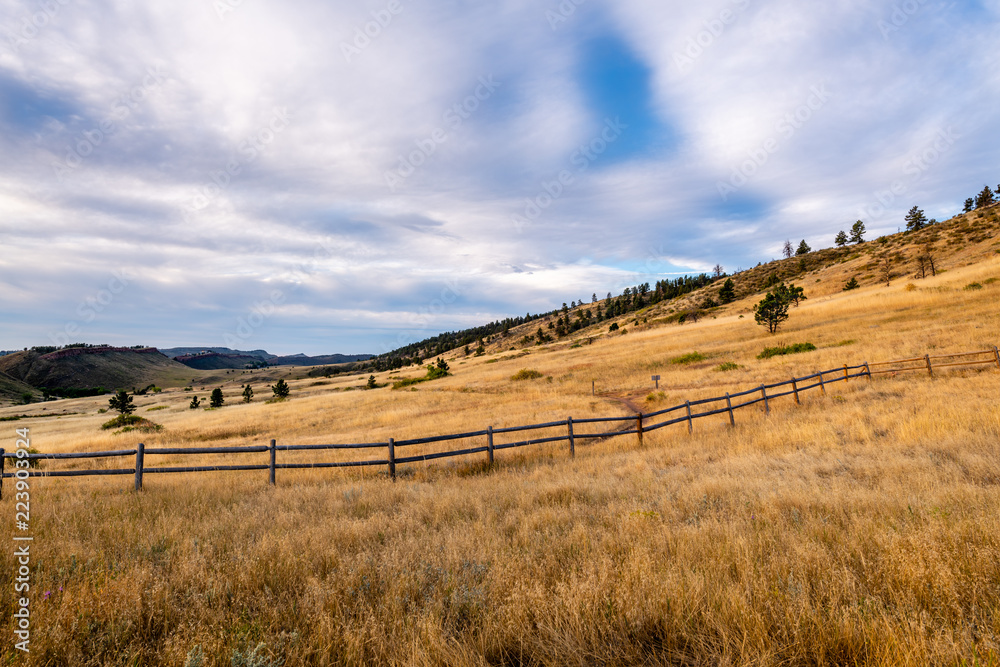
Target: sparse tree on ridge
{"type": "Point", "coordinates": [970, 203]}
{"type": "Point", "coordinates": [771, 311]}
{"type": "Point", "coordinates": [841, 239]}
{"type": "Point", "coordinates": [247, 394]}
{"type": "Point", "coordinates": [858, 232]}
{"type": "Point", "coordinates": [851, 284]}
{"type": "Point", "coordinates": [787, 250]}
{"type": "Point", "coordinates": [915, 220]}
{"type": "Point", "coordinates": [718, 271]}
{"type": "Point", "coordinates": [803, 248]}
{"type": "Point", "coordinates": [985, 198]}
{"type": "Point", "coordinates": [727, 293]}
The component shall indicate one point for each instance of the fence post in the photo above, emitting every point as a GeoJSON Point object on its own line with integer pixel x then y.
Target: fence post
{"type": "Point", "coordinates": [638, 427]}
{"type": "Point", "coordinates": [767, 405]}
{"type": "Point", "coordinates": [847, 376]}
{"type": "Point", "coordinates": [572, 439]}
{"type": "Point", "coordinates": [690, 422]}
{"type": "Point", "coordinates": [729, 404]}
{"type": "Point", "coordinates": [996, 353]}
{"type": "Point", "coordinates": [868, 371]}
{"type": "Point", "coordinates": [3, 462]}
{"type": "Point", "coordinates": [822, 385]}
{"type": "Point", "coordinates": [140, 452]}
{"type": "Point", "coordinates": [930, 371]}
{"type": "Point", "coordinates": [274, 459]}
{"type": "Point", "coordinates": [795, 390]}
{"type": "Point", "coordinates": [392, 459]}
{"type": "Point", "coordinates": [489, 445]}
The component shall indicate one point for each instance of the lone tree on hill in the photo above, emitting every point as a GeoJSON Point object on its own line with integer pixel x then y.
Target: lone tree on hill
{"type": "Point", "coordinates": [858, 232]}
{"type": "Point", "coordinates": [247, 394]}
{"type": "Point", "coordinates": [915, 220]}
{"type": "Point", "coordinates": [985, 198]}
{"type": "Point", "coordinates": [841, 239]}
{"type": "Point", "coordinates": [771, 311]}
{"type": "Point", "coordinates": [122, 402]}
{"type": "Point", "coordinates": [727, 294]}
{"type": "Point", "coordinates": [195, 403]}
{"type": "Point", "coordinates": [970, 203]}
{"type": "Point", "coordinates": [787, 249]}
{"type": "Point", "coordinates": [216, 400]}
{"type": "Point", "coordinates": [280, 389]}
{"type": "Point", "coordinates": [803, 248]}
{"type": "Point", "coordinates": [371, 383]}
{"type": "Point", "coordinates": [851, 284]}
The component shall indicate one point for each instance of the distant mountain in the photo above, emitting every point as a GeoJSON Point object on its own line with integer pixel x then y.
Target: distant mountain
{"type": "Point", "coordinates": [322, 360]}
{"type": "Point", "coordinates": [213, 361]}
{"type": "Point", "coordinates": [174, 352]}
{"type": "Point", "coordinates": [90, 367]}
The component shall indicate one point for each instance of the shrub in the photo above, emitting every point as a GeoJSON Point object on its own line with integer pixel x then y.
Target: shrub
{"type": "Point", "coordinates": [121, 421]}
{"type": "Point", "coordinates": [973, 286]}
{"type": "Point", "coordinates": [689, 358]}
{"type": "Point", "coordinates": [525, 374]}
{"type": "Point", "coordinates": [727, 366]}
{"type": "Point", "coordinates": [613, 327]}
{"type": "Point", "coordinates": [780, 350]}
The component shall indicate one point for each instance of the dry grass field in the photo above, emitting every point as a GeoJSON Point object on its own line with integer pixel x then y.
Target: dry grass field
{"type": "Point", "coordinates": [860, 528]}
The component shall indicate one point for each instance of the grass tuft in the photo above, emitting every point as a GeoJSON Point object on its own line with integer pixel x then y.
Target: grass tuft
{"type": "Point", "coordinates": [780, 350]}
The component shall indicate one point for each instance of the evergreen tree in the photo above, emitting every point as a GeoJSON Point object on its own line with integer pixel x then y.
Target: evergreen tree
{"type": "Point", "coordinates": [915, 220]}
{"type": "Point", "coordinates": [247, 394]}
{"type": "Point", "coordinates": [727, 294]}
{"type": "Point", "coordinates": [841, 239]}
{"type": "Point", "coordinates": [771, 311]}
{"type": "Point", "coordinates": [371, 383]}
{"type": "Point", "coordinates": [195, 403]}
{"type": "Point", "coordinates": [970, 203]}
{"type": "Point", "coordinates": [803, 248]}
{"type": "Point", "coordinates": [122, 402]}
{"type": "Point", "coordinates": [858, 232]}
{"type": "Point", "coordinates": [985, 198]}
{"type": "Point", "coordinates": [851, 284]}
{"type": "Point", "coordinates": [280, 389]}
{"type": "Point", "coordinates": [216, 400]}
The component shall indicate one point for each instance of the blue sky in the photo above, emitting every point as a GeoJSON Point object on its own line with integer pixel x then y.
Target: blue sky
{"type": "Point", "coordinates": [307, 177]}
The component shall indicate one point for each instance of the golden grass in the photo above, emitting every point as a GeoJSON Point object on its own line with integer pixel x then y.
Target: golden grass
{"type": "Point", "coordinates": [860, 528]}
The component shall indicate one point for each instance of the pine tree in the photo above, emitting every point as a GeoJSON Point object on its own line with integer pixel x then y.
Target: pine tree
{"type": "Point", "coordinates": [915, 220]}
{"type": "Point", "coordinates": [970, 203]}
{"type": "Point", "coordinates": [851, 284]}
{"type": "Point", "coordinates": [985, 198]}
{"type": "Point", "coordinates": [122, 402]}
{"type": "Point", "coordinates": [841, 239]}
{"type": "Point", "coordinates": [771, 311]}
{"type": "Point", "coordinates": [858, 232]}
{"type": "Point", "coordinates": [280, 389]}
{"type": "Point", "coordinates": [803, 248]}
{"type": "Point", "coordinates": [727, 294]}
{"type": "Point", "coordinates": [247, 394]}
{"type": "Point", "coordinates": [371, 383]}
{"type": "Point", "coordinates": [195, 403]}
{"type": "Point", "coordinates": [216, 400]}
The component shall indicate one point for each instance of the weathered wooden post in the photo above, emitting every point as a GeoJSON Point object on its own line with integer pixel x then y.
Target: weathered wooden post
{"type": "Point", "coordinates": [392, 459]}
{"type": "Point", "coordinates": [729, 404]}
{"type": "Point", "coordinates": [822, 385]}
{"type": "Point", "coordinates": [996, 353]}
{"type": "Point", "coordinates": [795, 390]}
{"type": "Point", "coordinates": [274, 460]}
{"type": "Point", "coordinates": [3, 461]}
{"type": "Point", "coordinates": [847, 376]}
{"type": "Point", "coordinates": [868, 372]}
{"type": "Point", "coordinates": [572, 440]}
{"type": "Point", "coordinates": [690, 421]}
{"type": "Point", "coordinates": [930, 370]}
{"type": "Point", "coordinates": [638, 427]}
{"type": "Point", "coordinates": [489, 445]}
{"type": "Point", "coordinates": [140, 453]}
{"type": "Point", "coordinates": [767, 405]}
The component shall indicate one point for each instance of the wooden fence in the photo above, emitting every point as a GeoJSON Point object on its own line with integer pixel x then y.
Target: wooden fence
{"type": "Point", "coordinates": [636, 425]}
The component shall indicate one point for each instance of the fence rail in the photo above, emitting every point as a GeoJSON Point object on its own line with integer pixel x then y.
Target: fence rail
{"type": "Point", "coordinates": [642, 425]}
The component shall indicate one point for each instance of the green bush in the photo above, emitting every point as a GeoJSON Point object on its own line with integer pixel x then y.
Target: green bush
{"type": "Point", "coordinates": [795, 348]}
{"type": "Point", "coordinates": [525, 374]}
{"type": "Point", "coordinates": [973, 286]}
{"type": "Point", "coordinates": [689, 358]}
{"type": "Point", "coordinates": [727, 366]}
{"type": "Point", "coordinates": [122, 420]}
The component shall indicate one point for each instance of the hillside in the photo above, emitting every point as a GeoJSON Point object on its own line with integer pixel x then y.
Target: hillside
{"type": "Point", "coordinates": [13, 390]}
{"type": "Point", "coordinates": [213, 361]}
{"type": "Point", "coordinates": [92, 367]}
{"type": "Point", "coordinates": [320, 360]}
{"type": "Point", "coordinates": [174, 352]}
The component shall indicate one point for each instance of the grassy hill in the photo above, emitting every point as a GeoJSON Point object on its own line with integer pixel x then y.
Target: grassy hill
{"type": "Point", "coordinates": [13, 390]}
{"type": "Point", "coordinates": [86, 368]}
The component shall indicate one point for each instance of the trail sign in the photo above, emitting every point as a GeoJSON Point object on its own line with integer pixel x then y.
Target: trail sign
{"type": "Point", "coordinates": [656, 379]}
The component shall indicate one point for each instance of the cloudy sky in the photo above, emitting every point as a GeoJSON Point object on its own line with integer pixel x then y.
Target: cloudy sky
{"type": "Point", "coordinates": [317, 177]}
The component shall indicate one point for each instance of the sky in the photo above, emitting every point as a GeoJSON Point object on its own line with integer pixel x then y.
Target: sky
{"type": "Point", "coordinates": [315, 177]}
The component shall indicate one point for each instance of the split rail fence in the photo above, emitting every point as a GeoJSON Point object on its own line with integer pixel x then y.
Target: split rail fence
{"type": "Point", "coordinates": [636, 425]}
